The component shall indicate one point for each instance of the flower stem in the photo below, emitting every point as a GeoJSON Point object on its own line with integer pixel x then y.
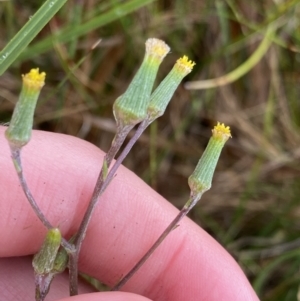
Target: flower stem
{"type": "Point", "coordinates": [199, 182]}
{"type": "Point", "coordinates": [16, 157]}
{"type": "Point", "coordinates": [116, 144]}
{"type": "Point", "coordinates": [102, 184]}
{"type": "Point", "coordinates": [73, 273]}
{"type": "Point", "coordinates": [98, 190]}
{"type": "Point", "coordinates": [173, 225]}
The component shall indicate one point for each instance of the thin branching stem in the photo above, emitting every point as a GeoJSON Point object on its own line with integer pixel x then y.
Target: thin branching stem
{"type": "Point", "coordinates": [161, 238]}
{"type": "Point", "coordinates": [116, 144]}
{"type": "Point", "coordinates": [98, 190]}
{"type": "Point", "coordinates": [173, 225]}
{"type": "Point", "coordinates": [73, 274]}
{"type": "Point", "coordinates": [16, 157]}
{"type": "Point", "coordinates": [124, 153]}
{"type": "Point", "coordinates": [100, 187]}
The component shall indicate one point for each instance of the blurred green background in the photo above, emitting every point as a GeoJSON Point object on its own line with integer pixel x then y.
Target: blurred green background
{"type": "Point", "coordinates": [253, 208]}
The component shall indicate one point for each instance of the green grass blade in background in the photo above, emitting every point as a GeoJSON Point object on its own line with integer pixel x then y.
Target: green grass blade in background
{"type": "Point", "coordinates": [28, 32]}
{"type": "Point", "coordinates": [269, 269]}
{"type": "Point", "coordinates": [70, 33]}
{"type": "Point", "coordinates": [240, 70]}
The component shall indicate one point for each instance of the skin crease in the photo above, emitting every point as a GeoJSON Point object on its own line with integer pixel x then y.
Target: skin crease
{"type": "Point", "coordinates": [61, 172]}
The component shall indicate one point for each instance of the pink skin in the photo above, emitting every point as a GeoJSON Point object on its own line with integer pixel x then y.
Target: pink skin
{"type": "Point", "coordinates": [61, 172]}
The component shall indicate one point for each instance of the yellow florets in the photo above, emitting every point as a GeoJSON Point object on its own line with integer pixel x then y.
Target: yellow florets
{"type": "Point", "coordinates": [185, 65]}
{"type": "Point", "coordinates": [34, 79]}
{"type": "Point", "coordinates": [221, 131]}
{"type": "Point", "coordinates": [185, 61]}
{"type": "Point", "coordinates": [157, 48]}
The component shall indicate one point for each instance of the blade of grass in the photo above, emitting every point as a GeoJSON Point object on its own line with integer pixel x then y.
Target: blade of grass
{"type": "Point", "coordinates": [240, 70]}
{"type": "Point", "coordinates": [70, 33]}
{"type": "Point", "coordinates": [28, 32]}
{"type": "Point", "coordinates": [76, 19]}
{"type": "Point", "coordinates": [269, 269]}
{"type": "Point", "coordinates": [8, 14]}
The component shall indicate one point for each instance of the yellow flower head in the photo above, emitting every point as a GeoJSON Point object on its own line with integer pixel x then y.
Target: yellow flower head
{"type": "Point", "coordinates": [184, 65]}
{"type": "Point", "coordinates": [34, 80]}
{"type": "Point", "coordinates": [201, 179]}
{"type": "Point", "coordinates": [220, 131]}
{"type": "Point", "coordinates": [19, 131]}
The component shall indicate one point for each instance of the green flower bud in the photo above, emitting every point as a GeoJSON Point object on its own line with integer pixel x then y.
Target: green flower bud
{"type": "Point", "coordinates": [43, 261]}
{"type": "Point", "coordinates": [131, 107]}
{"type": "Point", "coordinates": [61, 261]}
{"type": "Point", "coordinates": [201, 178]}
{"type": "Point", "coordinates": [19, 131]}
{"type": "Point", "coordinates": [45, 267]}
{"type": "Point", "coordinates": [162, 95]}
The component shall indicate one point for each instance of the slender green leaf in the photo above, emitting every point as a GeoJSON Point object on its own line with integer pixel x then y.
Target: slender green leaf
{"type": "Point", "coordinates": [70, 33]}
{"type": "Point", "coordinates": [269, 269]}
{"type": "Point", "coordinates": [28, 32]}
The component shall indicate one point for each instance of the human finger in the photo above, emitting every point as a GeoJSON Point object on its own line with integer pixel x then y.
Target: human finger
{"type": "Point", "coordinates": [61, 171]}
